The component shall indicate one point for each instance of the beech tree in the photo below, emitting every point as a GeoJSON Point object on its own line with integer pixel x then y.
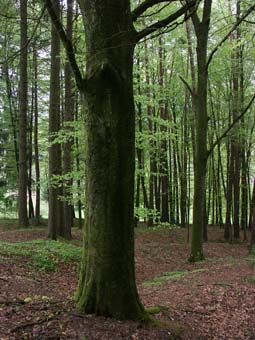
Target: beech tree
{"type": "Point", "coordinates": [201, 27]}
{"type": "Point", "coordinates": [199, 94]}
{"type": "Point", "coordinates": [68, 118]}
{"type": "Point", "coordinates": [107, 278]}
{"type": "Point", "coordinates": [55, 205]}
{"type": "Point", "coordinates": [23, 90]}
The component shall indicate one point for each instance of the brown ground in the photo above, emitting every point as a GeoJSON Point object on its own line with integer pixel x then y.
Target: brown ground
{"type": "Point", "coordinates": [217, 302]}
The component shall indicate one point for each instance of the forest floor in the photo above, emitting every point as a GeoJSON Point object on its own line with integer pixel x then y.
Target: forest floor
{"type": "Point", "coordinates": [213, 299]}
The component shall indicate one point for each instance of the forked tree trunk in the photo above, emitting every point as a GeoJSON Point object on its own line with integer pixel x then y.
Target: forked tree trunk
{"type": "Point", "coordinates": [201, 125]}
{"type": "Point", "coordinates": [107, 279]}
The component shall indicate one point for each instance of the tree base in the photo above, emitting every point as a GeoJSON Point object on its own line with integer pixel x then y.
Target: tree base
{"type": "Point", "coordinates": [101, 300]}
{"type": "Point", "coordinates": [199, 256]}
{"type": "Point", "coordinates": [135, 314]}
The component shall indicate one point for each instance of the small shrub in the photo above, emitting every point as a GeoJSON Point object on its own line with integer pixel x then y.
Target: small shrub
{"type": "Point", "coordinates": [45, 255]}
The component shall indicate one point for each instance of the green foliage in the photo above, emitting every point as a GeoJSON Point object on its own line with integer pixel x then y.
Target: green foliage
{"type": "Point", "coordinates": [156, 309]}
{"type": "Point", "coordinates": [45, 255]}
{"type": "Point", "coordinates": [252, 280]}
{"type": "Point", "coordinates": [142, 213]}
{"type": "Point", "coordinates": [171, 276]}
{"type": "Point", "coordinates": [161, 227]}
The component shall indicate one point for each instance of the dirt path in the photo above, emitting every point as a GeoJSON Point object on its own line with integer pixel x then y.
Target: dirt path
{"type": "Point", "coordinates": [210, 300]}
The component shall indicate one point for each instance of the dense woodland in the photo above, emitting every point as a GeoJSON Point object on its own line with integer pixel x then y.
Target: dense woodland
{"type": "Point", "coordinates": [118, 115]}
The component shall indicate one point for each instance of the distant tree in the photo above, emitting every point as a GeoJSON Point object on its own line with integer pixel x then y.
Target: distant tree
{"type": "Point", "coordinates": [68, 118]}
{"type": "Point", "coordinates": [201, 28]}
{"type": "Point", "coordinates": [55, 205]}
{"type": "Point", "coordinates": [23, 97]}
{"type": "Point", "coordinates": [36, 140]}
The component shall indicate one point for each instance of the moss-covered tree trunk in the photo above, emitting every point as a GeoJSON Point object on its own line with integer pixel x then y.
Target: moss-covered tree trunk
{"type": "Point", "coordinates": [201, 125]}
{"type": "Point", "coordinates": [107, 279]}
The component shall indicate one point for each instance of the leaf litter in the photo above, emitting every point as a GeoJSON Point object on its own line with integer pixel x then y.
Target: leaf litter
{"type": "Point", "coordinates": [213, 299]}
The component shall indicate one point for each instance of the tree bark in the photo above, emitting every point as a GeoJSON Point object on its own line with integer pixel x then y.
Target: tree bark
{"type": "Point", "coordinates": [23, 178]}
{"type": "Point", "coordinates": [67, 147]}
{"type": "Point", "coordinates": [54, 215]}
{"type": "Point", "coordinates": [107, 278]}
{"type": "Point", "coordinates": [163, 167]}
{"type": "Point", "coordinates": [36, 146]}
{"type": "Point", "coordinates": [201, 125]}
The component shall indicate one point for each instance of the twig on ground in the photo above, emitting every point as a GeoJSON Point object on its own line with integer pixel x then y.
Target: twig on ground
{"type": "Point", "coordinates": [12, 302]}
{"type": "Point", "coordinates": [33, 323]}
{"type": "Point", "coordinates": [3, 279]}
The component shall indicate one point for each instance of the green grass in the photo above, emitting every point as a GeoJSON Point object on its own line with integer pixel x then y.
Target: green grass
{"type": "Point", "coordinates": [156, 309]}
{"type": "Point", "coordinates": [251, 280]}
{"type": "Point", "coordinates": [171, 276]}
{"type": "Point", "coordinates": [157, 228]}
{"type": "Point", "coordinates": [42, 254]}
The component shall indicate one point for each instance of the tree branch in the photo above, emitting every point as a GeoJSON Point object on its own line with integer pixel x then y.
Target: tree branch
{"type": "Point", "coordinates": [187, 85]}
{"type": "Point", "coordinates": [16, 54]}
{"type": "Point", "coordinates": [167, 21]}
{"type": "Point", "coordinates": [207, 12]}
{"type": "Point", "coordinates": [67, 44]}
{"type": "Point", "coordinates": [140, 9]}
{"type": "Point", "coordinates": [249, 11]}
{"type": "Point", "coordinates": [194, 16]}
{"type": "Point", "coordinates": [236, 120]}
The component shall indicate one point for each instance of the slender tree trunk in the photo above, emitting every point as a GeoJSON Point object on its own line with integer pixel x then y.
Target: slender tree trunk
{"type": "Point", "coordinates": [163, 144]}
{"type": "Point", "coordinates": [23, 180]}
{"type": "Point", "coordinates": [184, 160]}
{"type": "Point", "coordinates": [140, 154]}
{"type": "Point", "coordinates": [150, 126]}
{"type": "Point", "coordinates": [36, 146]}
{"type": "Point", "coordinates": [67, 148]}
{"type": "Point", "coordinates": [238, 98]}
{"type": "Point", "coordinates": [31, 213]}
{"type": "Point", "coordinates": [54, 215]}
{"type": "Point", "coordinates": [201, 124]}
{"type": "Point", "coordinates": [13, 113]}
{"type": "Point", "coordinates": [252, 222]}
{"type": "Point", "coordinates": [78, 167]}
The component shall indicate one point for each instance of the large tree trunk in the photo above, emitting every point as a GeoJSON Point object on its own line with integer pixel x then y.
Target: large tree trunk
{"type": "Point", "coordinates": [23, 179]}
{"type": "Point", "coordinates": [107, 279]}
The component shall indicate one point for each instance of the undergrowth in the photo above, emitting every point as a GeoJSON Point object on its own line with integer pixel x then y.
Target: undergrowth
{"type": "Point", "coordinates": [42, 254]}
{"type": "Point", "coordinates": [170, 276]}
{"type": "Point", "coordinates": [157, 228]}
